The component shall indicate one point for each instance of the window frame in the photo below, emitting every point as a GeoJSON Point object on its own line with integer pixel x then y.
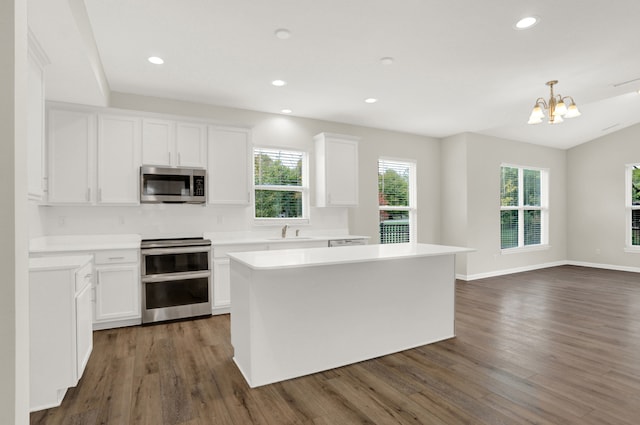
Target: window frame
{"type": "Point", "coordinates": [412, 208]}
{"type": "Point", "coordinates": [521, 208]}
{"type": "Point", "coordinates": [629, 207]}
{"type": "Point", "coordinates": [303, 189]}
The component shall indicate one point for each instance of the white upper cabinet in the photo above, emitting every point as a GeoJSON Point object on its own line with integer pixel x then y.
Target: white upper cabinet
{"type": "Point", "coordinates": [191, 145]}
{"type": "Point", "coordinates": [157, 142]}
{"type": "Point", "coordinates": [36, 183]}
{"type": "Point", "coordinates": [71, 156]}
{"type": "Point", "coordinates": [174, 144]}
{"type": "Point", "coordinates": [229, 168]}
{"type": "Point", "coordinates": [336, 170]}
{"type": "Point", "coordinates": [118, 159]}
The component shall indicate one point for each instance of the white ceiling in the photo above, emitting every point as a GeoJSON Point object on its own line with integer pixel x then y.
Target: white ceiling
{"type": "Point", "coordinates": [459, 64]}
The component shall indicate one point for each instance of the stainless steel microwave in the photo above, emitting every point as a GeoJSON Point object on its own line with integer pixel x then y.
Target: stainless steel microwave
{"type": "Point", "coordinates": [172, 185]}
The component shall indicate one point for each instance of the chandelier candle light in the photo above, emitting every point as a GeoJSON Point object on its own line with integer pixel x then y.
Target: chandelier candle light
{"type": "Point", "coordinates": [555, 107]}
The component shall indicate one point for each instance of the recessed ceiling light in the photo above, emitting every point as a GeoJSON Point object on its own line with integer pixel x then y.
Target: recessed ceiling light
{"type": "Point", "coordinates": [286, 111]}
{"type": "Point", "coordinates": [370, 100]}
{"type": "Point", "coordinates": [527, 22]}
{"type": "Point", "coordinates": [282, 33]}
{"type": "Point", "coordinates": [156, 60]}
{"type": "Point", "coordinates": [279, 83]}
{"type": "Point", "coordinates": [386, 60]}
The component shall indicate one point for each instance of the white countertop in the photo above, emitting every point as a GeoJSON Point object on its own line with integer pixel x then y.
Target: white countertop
{"type": "Point", "coordinates": [69, 243]}
{"type": "Point", "coordinates": [290, 258]}
{"type": "Point", "coordinates": [59, 263]}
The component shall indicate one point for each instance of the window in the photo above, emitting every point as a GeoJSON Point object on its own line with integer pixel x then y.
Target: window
{"type": "Point", "coordinates": [280, 184]}
{"type": "Point", "coordinates": [633, 206]}
{"type": "Point", "coordinates": [397, 200]}
{"type": "Point", "coordinates": [523, 207]}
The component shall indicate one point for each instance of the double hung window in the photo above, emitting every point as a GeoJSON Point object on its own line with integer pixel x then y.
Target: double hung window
{"type": "Point", "coordinates": [523, 207]}
{"type": "Point", "coordinates": [633, 206]}
{"type": "Point", "coordinates": [397, 201]}
{"type": "Point", "coordinates": [280, 185]}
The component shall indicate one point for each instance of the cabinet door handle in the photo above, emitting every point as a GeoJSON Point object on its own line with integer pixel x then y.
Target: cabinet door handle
{"type": "Point", "coordinates": [169, 158]}
{"type": "Point", "coordinates": [99, 194]}
{"type": "Point", "coordinates": [88, 194]}
{"type": "Point", "coordinates": [88, 276]}
{"type": "Point", "coordinates": [179, 159]}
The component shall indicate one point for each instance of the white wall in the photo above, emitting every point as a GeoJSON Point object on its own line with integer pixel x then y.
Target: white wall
{"type": "Point", "coordinates": [14, 287]}
{"type": "Point", "coordinates": [596, 199]}
{"type": "Point", "coordinates": [454, 207]}
{"type": "Point", "coordinates": [267, 130]}
{"type": "Point", "coordinates": [483, 156]}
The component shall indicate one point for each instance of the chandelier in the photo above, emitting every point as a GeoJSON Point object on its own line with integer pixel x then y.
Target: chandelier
{"type": "Point", "coordinates": [556, 108]}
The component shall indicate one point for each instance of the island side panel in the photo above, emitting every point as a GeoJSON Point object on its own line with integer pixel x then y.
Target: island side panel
{"type": "Point", "coordinates": [240, 317]}
{"type": "Point", "coordinates": [308, 319]}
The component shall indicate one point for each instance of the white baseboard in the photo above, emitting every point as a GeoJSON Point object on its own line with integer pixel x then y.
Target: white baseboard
{"type": "Point", "coordinates": [510, 271]}
{"type": "Point", "coordinates": [221, 310]}
{"type": "Point", "coordinates": [496, 273]}
{"type": "Point", "coordinates": [605, 266]}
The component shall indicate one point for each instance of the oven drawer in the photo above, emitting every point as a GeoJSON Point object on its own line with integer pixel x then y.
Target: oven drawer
{"type": "Point", "coordinates": [116, 257]}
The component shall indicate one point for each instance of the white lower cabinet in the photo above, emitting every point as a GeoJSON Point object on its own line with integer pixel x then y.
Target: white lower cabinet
{"type": "Point", "coordinates": [115, 293]}
{"type": "Point", "coordinates": [117, 289]}
{"type": "Point", "coordinates": [221, 284]}
{"type": "Point", "coordinates": [60, 326]}
{"type": "Point", "coordinates": [221, 287]}
{"type": "Point", "coordinates": [221, 302]}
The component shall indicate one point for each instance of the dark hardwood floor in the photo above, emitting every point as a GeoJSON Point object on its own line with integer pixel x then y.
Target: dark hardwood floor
{"type": "Point", "coordinates": [554, 346]}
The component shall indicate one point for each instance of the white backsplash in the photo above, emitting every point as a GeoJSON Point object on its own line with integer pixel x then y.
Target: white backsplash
{"type": "Point", "coordinates": [171, 220]}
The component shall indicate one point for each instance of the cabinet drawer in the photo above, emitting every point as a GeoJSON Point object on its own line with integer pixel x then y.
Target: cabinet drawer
{"type": "Point", "coordinates": [84, 276]}
{"type": "Point", "coordinates": [116, 257]}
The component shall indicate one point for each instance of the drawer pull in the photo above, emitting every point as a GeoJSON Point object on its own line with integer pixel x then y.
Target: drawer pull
{"type": "Point", "coordinates": [116, 258]}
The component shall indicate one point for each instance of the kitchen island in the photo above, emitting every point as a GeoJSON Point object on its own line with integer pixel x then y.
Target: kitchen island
{"type": "Point", "coordinates": [302, 311]}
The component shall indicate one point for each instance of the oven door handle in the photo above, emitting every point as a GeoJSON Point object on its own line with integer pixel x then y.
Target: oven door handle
{"type": "Point", "coordinates": [176, 250]}
{"type": "Point", "coordinates": [167, 277]}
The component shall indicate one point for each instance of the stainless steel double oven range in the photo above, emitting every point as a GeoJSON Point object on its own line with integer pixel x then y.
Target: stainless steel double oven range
{"type": "Point", "coordinates": [176, 278]}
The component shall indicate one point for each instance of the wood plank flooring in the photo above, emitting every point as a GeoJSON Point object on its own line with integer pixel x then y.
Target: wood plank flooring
{"type": "Point", "coordinates": [553, 346]}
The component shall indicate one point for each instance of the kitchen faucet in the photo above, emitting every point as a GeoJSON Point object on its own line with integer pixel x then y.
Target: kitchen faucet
{"type": "Point", "coordinates": [284, 231]}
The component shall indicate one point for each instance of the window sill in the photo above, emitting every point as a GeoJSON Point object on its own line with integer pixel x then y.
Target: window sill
{"type": "Point", "coordinates": [632, 249]}
{"type": "Point", "coordinates": [530, 248]}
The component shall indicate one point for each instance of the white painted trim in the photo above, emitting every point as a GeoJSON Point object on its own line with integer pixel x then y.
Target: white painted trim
{"type": "Point", "coordinates": [547, 265]}
{"type": "Point", "coordinates": [526, 248]}
{"type": "Point", "coordinates": [112, 324]}
{"type": "Point", "coordinates": [221, 310]}
{"type": "Point", "coordinates": [510, 271]}
{"type": "Point", "coordinates": [604, 266]}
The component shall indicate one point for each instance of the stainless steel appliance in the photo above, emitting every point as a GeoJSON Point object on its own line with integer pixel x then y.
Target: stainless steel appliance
{"type": "Point", "coordinates": [172, 185]}
{"type": "Point", "coordinates": [176, 278]}
{"type": "Point", "coordinates": [346, 242]}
